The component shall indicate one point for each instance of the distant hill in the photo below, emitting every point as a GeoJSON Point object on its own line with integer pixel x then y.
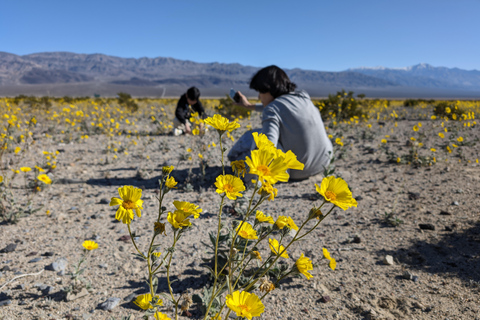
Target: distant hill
{"type": "Point", "coordinates": [65, 73]}
{"type": "Point", "coordinates": [426, 76]}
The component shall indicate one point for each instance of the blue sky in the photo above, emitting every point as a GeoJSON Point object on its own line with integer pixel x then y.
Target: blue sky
{"type": "Point", "coordinates": [321, 35]}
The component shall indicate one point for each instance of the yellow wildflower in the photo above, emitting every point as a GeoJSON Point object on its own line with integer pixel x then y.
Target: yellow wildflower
{"type": "Point", "coordinates": [90, 245]}
{"type": "Point", "coordinates": [171, 183]}
{"type": "Point", "coordinates": [44, 178]}
{"type": "Point", "coordinates": [336, 191]}
{"type": "Point", "coordinates": [221, 124]}
{"type": "Point", "coordinates": [130, 200]}
{"type": "Point", "coordinates": [230, 185]}
{"type": "Point", "coordinates": [245, 304]}
{"type": "Point", "coordinates": [304, 265]}
{"type": "Point", "coordinates": [246, 231]}
{"type": "Point", "coordinates": [263, 218]}
{"type": "Point", "coordinates": [277, 248]}
{"type": "Point", "coordinates": [283, 221]}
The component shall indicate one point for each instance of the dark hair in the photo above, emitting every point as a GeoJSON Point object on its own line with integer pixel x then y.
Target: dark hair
{"type": "Point", "coordinates": [272, 79]}
{"type": "Point", "coordinates": [193, 93]}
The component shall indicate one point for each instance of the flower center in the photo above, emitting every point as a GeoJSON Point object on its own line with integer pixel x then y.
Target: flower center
{"type": "Point", "coordinates": [330, 195]}
{"type": "Point", "coordinates": [228, 188]}
{"type": "Point", "coordinates": [264, 170]}
{"type": "Point", "coordinates": [128, 205]}
{"type": "Point", "coordinates": [245, 308]}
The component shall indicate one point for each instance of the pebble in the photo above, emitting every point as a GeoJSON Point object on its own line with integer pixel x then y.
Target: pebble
{"type": "Point", "coordinates": [5, 302]}
{"type": "Point", "coordinates": [407, 275]}
{"type": "Point", "coordinates": [103, 265]}
{"type": "Point", "coordinates": [58, 265]}
{"type": "Point", "coordinates": [109, 304]}
{"type": "Point", "coordinates": [9, 248]}
{"type": "Point", "coordinates": [455, 203]}
{"type": "Point", "coordinates": [104, 201]}
{"type": "Point", "coordinates": [388, 260]}
{"type": "Point", "coordinates": [35, 260]}
{"type": "Point", "coordinates": [426, 226]}
{"type": "Point", "coordinates": [130, 297]}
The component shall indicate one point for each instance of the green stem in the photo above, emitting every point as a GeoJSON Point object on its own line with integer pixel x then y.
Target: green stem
{"type": "Point", "coordinates": [285, 249]}
{"type": "Point", "coordinates": [134, 244]}
{"type": "Point", "coordinates": [175, 239]}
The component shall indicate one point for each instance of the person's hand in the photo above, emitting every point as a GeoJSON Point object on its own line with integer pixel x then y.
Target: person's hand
{"type": "Point", "coordinates": [187, 128]}
{"type": "Point", "coordinates": [243, 101]}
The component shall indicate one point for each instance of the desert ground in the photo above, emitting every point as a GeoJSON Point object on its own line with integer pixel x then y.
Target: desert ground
{"type": "Point", "coordinates": [409, 250]}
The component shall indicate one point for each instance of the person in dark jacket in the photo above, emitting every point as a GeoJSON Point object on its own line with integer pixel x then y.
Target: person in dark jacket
{"type": "Point", "coordinates": [187, 103]}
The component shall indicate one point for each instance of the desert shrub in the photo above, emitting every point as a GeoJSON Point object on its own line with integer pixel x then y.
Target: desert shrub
{"type": "Point", "coordinates": [340, 106]}
{"type": "Point", "coordinates": [416, 102]}
{"type": "Point", "coordinates": [124, 99]}
{"type": "Point", "coordinates": [448, 109]}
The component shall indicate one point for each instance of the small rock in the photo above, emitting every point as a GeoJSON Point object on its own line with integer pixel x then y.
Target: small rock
{"type": "Point", "coordinates": [40, 286]}
{"type": "Point", "coordinates": [103, 265]}
{"type": "Point", "coordinates": [413, 195]}
{"type": "Point", "coordinates": [445, 213]}
{"type": "Point", "coordinates": [9, 248]}
{"type": "Point", "coordinates": [357, 239]}
{"type": "Point", "coordinates": [5, 302]}
{"type": "Point", "coordinates": [125, 238]}
{"type": "Point", "coordinates": [455, 203]}
{"type": "Point", "coordinates": [130, 297]}
{"type": "Point", "coordinates": [121, 248]}
{"type": "Point", "coordinates": [73, 296]}
{"type": "Point", "coordinates": [448, 228]}
{"type": "Point", "coordinates": [415, 278]}
{"type": "Point", "coordinates": [35, 260]}
{"type": "Point", "coordinates": [104, 201]}
{"type": "Point", "coordinates": [426, 226]}
{"type": "Point", "coordinates": [58, 265]}
{"type": "Point", "coordinates": [388, 260]}
{"type": "Point", "coordinates": [325, 299]}
{"type": "Point", "coordinates": [407, 275]}
{"type": "Point", "coordinates": [109, 304]}
{"type": "Point", "coordinates": [5, 268]}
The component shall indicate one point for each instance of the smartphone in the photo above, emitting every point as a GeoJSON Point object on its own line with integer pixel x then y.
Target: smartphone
{"type": "Point", "coordinates": [234, 95]}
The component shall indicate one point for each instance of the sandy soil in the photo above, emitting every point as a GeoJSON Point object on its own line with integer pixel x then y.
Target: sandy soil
{"type": "Point", "coordinates": [435, 275]}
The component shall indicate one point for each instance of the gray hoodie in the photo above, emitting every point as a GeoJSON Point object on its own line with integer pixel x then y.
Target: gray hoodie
{"type": "Point", "coordinates": [292, 122]}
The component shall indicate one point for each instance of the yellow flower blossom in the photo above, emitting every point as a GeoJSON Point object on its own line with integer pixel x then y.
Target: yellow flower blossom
{"type": "Point", "coordinates": [268, 190]}
{"type": "Point", "coordinates": [304, 265]}
{"type": "Point", "coordinates": [143, 301]}
{"type": "Point", "coordinates": [25, 169]}
{"type": "Point", "coordinates": [221, 124]}
{"type": "Point", "coordinates": [267, 166]}
{"type": "Point", "coordinates": [44, 178]}
{"type": "Point", "coordinates": [332, 262]}
{"type": "Point", "coordinates": [90, 245]}
{"type": "Point", "coordinates": [171, 183]}
{"type": "Point", "coordinates": [336, 191]}
{"type": "Point", "coordinates": [263, 218]}
{"type": "Point", "coordinates": [187, 208]}
{"type": "Point", "coordinates": [277, 248]}
{"type": "Point", "coordinates": [246, 231]}
{"type": "Point", "coordinates": [284, 221]}
{"type": "Point", "coordinates": [161, 316]}
{"type": "Point", "coordinates": [179, 219]}
{"type": "Point", "coordinates": [245, 304]}
{"type": "Point", "coordinates": [230, 185]}
{"type": "Point", "coordinates": [130, 200]}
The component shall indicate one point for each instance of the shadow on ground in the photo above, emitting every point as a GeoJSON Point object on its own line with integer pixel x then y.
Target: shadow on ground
{"type": "Point", "coordinates": [455, 253]}
{"type": "Point", "coordinates": [196, 179]}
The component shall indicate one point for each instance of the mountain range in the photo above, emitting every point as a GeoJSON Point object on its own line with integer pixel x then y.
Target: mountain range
{"type": "Point", "coordinates": [65, 73]}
